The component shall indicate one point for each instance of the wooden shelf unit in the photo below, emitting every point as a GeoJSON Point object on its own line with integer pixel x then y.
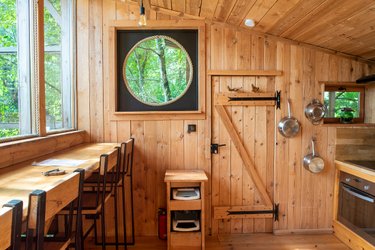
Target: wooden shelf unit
{"type": "Point", "coordinates": [182, 179]}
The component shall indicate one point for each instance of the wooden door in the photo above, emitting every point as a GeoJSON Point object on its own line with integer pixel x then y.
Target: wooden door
{"type": "Point", "coordinates": [242, 171]}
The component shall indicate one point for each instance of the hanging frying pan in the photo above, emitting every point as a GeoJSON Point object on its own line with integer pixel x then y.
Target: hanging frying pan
{"type": "Point", "coordinates": [313, 162]}
{"type": "Point", "coordinates": [289, 126]}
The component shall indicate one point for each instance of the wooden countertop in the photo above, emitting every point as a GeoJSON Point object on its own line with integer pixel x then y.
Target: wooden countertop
{"type": "Point", "coordinates": [185, 176]}
{"type": "Point", "coordinates": [18, 181]}
{"type": "Point", "coordinates": [355, 170]}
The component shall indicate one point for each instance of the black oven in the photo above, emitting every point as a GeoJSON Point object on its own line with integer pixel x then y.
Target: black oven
{"type": "Point", "coordinates": [356, 208]}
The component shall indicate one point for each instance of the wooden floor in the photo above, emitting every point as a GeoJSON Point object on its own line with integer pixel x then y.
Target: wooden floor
{"type": "Point", "coordinates": [249, 241]}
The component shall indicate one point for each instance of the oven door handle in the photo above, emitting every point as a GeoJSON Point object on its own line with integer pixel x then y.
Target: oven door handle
{"type": "Point", "coordinates": [360, 196]}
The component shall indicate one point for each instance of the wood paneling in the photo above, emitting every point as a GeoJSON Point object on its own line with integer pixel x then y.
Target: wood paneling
{"type": "Point", "coordinates": [305, 198]}
{"type": "Point", "coordinates": [345, 26]}
{"type": "Point", "coordinates": [358, 145]}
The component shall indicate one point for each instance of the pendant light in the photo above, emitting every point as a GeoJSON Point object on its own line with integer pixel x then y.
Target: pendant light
{"type": "Point", "coordinates": [142, 18]}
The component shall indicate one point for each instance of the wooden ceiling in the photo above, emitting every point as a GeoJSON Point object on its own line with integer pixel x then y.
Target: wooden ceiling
{"type": "Point", "coordinates": [347, 26]}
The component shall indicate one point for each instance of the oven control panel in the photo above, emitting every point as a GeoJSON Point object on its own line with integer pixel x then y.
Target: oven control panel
{"type": "Point", "coordinates": [357, 182]}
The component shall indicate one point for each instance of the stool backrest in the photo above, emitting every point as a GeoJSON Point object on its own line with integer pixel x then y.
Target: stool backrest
{"type": "Point", "coordinates": [45, 204]}
{"type": "Point", "coordinates": [10, 225]}
{"type": "Point", "coordinates": [127, 152]}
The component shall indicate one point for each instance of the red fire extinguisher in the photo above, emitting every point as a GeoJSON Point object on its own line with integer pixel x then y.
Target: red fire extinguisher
{"type": "Point", "coordinates": [162, 230]}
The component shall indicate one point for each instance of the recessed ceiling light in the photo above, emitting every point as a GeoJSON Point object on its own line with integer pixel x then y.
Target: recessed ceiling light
{"type": "Point", "coordinates": [249, 22]}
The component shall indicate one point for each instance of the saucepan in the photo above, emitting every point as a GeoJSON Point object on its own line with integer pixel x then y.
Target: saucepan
{"type": "Point", "coordinates": [313, 162]}
{"type": "Point", "coordinates": [289, 126]}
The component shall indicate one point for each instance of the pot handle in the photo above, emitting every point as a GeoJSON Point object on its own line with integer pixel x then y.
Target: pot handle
{"type": "Point", "coordinates": [313, 147]}
{"type": "Point", "coordinates": [289, 114]}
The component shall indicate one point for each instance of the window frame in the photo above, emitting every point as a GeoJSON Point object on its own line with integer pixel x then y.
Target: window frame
{"type": "Point", "coordinates": [198, 114]}
{"type": "Point", "coordinates": [37, 74]}
{"type": "Point", "coordinates": [347, 88]}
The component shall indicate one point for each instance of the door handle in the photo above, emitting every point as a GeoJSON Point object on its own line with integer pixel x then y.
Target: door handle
{"type": "Point", "coordinates": [360, 196]}
{"type": "Point", "coordinates": [215, 148]}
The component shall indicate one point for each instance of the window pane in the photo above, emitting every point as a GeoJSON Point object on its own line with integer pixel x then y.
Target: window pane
{"type": "Point", "coordinates": [15, 108]}
{"type": "Point", "coordinates": [336, 101]}
{"type": "Point", "coordinates": [58, 64]}
{"type": "Point", "coordinates": [157, 71]}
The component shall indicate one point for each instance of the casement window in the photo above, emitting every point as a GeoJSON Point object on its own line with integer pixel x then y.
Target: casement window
{"type": "Point", "coordinates": [339, 98]}
{"type": "Point", "coordinates": [37, 67]}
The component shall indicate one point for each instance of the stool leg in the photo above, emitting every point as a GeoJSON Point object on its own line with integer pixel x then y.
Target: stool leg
{"type": "Point", "coordinates": [124, 212]}
{"type": "Point", "coordinates": [132, 208]}
{"type": "Point", "coordinates": [116, 222]}
{"type": "Point", "coordinates": [102, 219]}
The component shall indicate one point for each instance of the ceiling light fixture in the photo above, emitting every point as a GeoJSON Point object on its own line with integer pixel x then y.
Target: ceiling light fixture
{"type": "Point", "coordinates": [249, 22]}
{"type": "Point", "coordinates": [142, 18]}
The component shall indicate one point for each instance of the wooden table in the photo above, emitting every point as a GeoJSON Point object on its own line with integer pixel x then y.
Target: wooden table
{"type": "Point", "coordinates": [18, 181]}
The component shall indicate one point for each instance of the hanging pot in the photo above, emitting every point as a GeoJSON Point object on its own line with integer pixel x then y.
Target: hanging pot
{"type": "Point", "coordinates": [289, 126]}
{"type": "Point", "coordinates": [313, 162]}
{"type": "Point", "coordinates": [315, 111]}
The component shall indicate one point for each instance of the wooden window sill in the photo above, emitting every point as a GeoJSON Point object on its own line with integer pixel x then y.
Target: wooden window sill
{"type": "Point", "coordinates": [348, 125]}
{"type": "Point", "coordinates": [22, 150]}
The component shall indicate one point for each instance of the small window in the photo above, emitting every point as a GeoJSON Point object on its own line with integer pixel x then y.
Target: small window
{"type": "Point", "coordinates": [157, 70]}
{"type": "Point", "coordinates": [344, 104]}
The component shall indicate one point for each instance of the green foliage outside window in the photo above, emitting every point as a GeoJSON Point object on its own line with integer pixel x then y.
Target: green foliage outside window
{"type": "Point", "coordinates": [157, 70]}
{"type": "Point", "coordinates": [9, 110]}
{"type": "Point", "coordinates": [8, 68]}
{"type": "Point", "coordinates": [335, 101]}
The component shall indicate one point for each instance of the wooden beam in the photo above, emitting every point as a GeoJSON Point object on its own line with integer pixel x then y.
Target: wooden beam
{"type": "Point", "coordinates": [223, 212]}
{"type": "Point", "coordinates": [244, 72]}
{"type": "Point", "coordinates": [249, 166]}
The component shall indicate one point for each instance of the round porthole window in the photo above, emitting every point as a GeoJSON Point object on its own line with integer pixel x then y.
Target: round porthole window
{"type": "Point", "coordinates": [157, 71]}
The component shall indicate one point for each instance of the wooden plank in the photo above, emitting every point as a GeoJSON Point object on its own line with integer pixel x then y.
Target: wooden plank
{"type": "Point", "coordinates": [295, 145]}
{"type": "Point", "coordinates": [6, 227]}
{"type": "Point", "coordinates": [177, 144]}
{"type": "Point", "coordinates": [282, 144]}
{"type": "Point", "coordinates": [185, 205]}
{"type": "Point", "coordinates": [270, 62]}
{"type": "Point", "coordinates": [96, 71]}
{"type": "Point", "coordinates": [349, 238]}
{"type": "Point", "coordinates": [83, 62]}
{"type": "Point", "coordinates": [239, 11]}
{"type": "Point", "coordinates": [278, 10]}
{"type": "Point", "coordinates": [148, 180]}
{"type": "Point", "coordinates": [224, 163]}
{"type": "Point", "coordinates": [14, 152]}
{"type": "Point", "coordinates": [109, 11]}
{"type": "Point", "coordinates": [243, 153]}
{"type": "Point", "coordinates": [260, 151]}
{"type": "Point", "coordinates": [223, 9]}
{"type": "Point", "coordinates": [260, 9]}
{"type": "Point", "coordinates": [244, 72]}
{"type": "Point", "coordinates": [236, 172]}
{"type": "Point", "coordinates": [248, 187]}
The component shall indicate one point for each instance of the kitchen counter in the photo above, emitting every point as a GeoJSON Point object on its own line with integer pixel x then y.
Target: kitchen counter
{"type": "Point", "coordinates": [356, 169]}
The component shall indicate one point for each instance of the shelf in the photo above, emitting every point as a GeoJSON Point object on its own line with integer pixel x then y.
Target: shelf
{"type": "Point", "coordinates": [350, 125]}
{"type": "Point", "coordinates": [183, 179]}
{"type": "Point", "coordinates": [185, 205]}
{"type": "Point", "coordinates": [186, 240]}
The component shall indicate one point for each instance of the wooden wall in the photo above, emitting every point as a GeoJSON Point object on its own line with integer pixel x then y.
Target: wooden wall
{"type": "Point", "coordinates": [357, 145]}
{"type": "Point", "coordinates": [305, 199]}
